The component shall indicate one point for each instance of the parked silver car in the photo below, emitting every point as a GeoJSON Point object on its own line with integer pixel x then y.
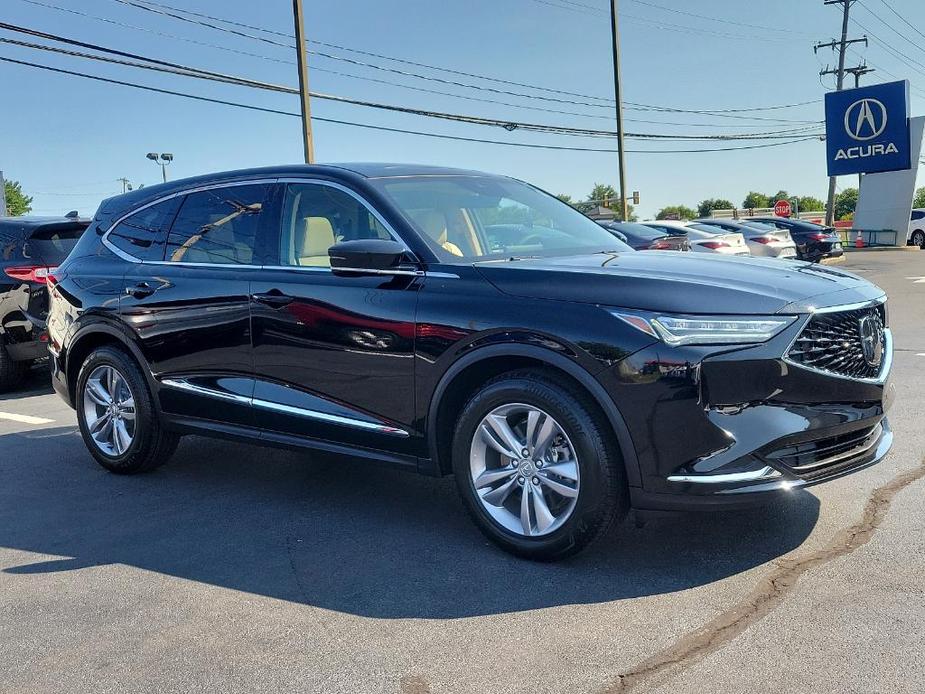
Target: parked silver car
{"type": "Point", "coordinates": [704, 238]}
{"type": "Point", "coordinates": [761, 239]}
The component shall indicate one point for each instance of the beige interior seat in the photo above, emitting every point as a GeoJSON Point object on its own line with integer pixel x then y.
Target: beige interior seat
{"type": "Point", "coordinates": [433, 223]}
{"type": "Point", "coordinates": [312, 242]}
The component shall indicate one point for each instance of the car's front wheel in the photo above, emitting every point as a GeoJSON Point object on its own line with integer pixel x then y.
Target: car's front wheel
{"type": "Point", "coordinates": [536, 466]}
{"type": "Point", "coordinates": [918, 238]}
{"type": "Point", "coordinates": [12, 373]}
{"type": "Point", "coordinates": [116, 414]}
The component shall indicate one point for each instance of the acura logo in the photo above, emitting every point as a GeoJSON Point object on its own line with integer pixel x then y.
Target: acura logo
{"type": "Point", "coordinates": [865, 119]}
{"type": "Point", "coordinates": [871, 331]}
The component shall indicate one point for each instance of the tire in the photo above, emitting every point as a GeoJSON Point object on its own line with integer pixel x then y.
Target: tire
{"type": "Point", "coordinates": [599, 482]}
{"type": "Point", "coordinates": [149, 445]}
{"type": "Point", "coordinates": [12, 373]}
{"type": "Point", "coordinates": [918, 238]}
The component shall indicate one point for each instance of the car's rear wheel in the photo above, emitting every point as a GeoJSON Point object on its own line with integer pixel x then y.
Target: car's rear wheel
{"type": "Point", "coordinates": [117, 417]}
{"type": "Point", "coordinates": [537, 466]}
{"type": "Point", "coordinates": [12, 372]}
{"type": "Point", "coordinates": [918, 238]}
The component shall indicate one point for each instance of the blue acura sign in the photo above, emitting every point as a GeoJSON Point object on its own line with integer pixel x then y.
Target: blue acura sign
{"type": "Point", "coordinates": [867, 129]}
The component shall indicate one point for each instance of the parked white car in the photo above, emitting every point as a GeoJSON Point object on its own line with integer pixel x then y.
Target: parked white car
{"type": "Point", "coordinates": [704, 238]}
{"type": "Point", "coordinates": [763, 240]}
{"type": "Point", "coordinates": [916, 235]}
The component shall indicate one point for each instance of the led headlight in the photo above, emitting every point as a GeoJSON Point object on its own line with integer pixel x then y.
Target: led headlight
{"type": "Point", "coordinates": [708, 330]}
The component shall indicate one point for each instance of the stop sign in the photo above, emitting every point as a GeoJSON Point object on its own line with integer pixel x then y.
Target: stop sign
{"type": "Point", "coordinates": [782, 208]}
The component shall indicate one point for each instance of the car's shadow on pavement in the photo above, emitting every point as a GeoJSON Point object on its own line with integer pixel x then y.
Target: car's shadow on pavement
{"type": "Point", "coordinates": [342, 535]}
{"type": "Point", "coordinates": [37, 382]}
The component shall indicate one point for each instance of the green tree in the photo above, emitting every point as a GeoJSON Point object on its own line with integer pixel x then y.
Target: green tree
{"type": "Point", "coordinates": [705, 207]}
{"type": "Point", "coordinates": [810, 204]}
{"type": "Point", "coordinates": [753, 200]}
{"type": "Point", "coordinates": [919, 199]}
{"type": "Point", "coordinates": [567, 199]}
{"type": "Point", "coordinates": [601, 193]}
{"type": "Point", "coordinates": [845, 203]}
{"type": "Point", "coordinates": [779, 195]}
{"type": "Point", "coordinates": [17, 202]}
{"type": "Point", "coordinates": [676, 212]}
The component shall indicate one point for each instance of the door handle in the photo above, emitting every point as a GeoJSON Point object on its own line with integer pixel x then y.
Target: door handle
{"type": "Point", "coordinates": [273, 298]}
{"type": "Point", "coordinates": [140, 290]}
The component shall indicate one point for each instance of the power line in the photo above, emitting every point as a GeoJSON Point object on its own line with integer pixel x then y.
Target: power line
{"type": "Point", "coordinates": [390, 129]}
{"type": "Point", "coordinates": [160, 8]}
{"type": "Point", "coordinates": [903, 19]}
{"type": "Point", "coordinates": [760, 27]}
{"type": "Point", "coordinates": [198, 73]}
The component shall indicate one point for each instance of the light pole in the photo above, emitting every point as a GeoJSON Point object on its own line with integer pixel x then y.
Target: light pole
{"type": "Point", "coordinates": [165, 159]}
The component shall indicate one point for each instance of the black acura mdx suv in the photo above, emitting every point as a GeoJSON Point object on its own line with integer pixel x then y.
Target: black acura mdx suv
{"type": "Point", "coordinates": [449, 321]}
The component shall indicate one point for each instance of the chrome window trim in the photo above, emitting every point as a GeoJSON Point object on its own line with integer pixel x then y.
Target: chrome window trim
{"type": "Point", "coordinates": [186, 191]}
{"type": "Point", "coordinates": [356, 196]}
{"type": "Point", "coordinates": [185, 385]}
{"type": "Point", "coordinates": [885, 367]}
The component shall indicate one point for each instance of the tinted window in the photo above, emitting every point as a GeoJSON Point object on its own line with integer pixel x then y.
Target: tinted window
{"type": "Point", "coordinates": [144, 233]}
{"type": "Point", "coordinates": [708, 228]}
{"type": "Point", "coordinates": [640, 231]}
{"type": "Point", "coordinates": [917, 214]}
{"type": "Point", "coordinates": [52, 244]}
{"type": "Point", "coordinates": [217, 226]}
{"type": "Point", "coordinates": [315, 217]}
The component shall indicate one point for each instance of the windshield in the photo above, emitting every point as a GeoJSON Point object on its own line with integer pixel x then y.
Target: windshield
{"type": "Point", "coordinates": [486, 218]}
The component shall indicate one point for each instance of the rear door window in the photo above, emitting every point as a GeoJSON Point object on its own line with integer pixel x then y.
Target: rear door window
{"type": "Point", "coordinates": [143, 235]}
{"type": "Point", "coordinates": [218, 226]}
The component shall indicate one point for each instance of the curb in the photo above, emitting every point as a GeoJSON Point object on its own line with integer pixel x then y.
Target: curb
{"type": "Point", "coordinates": [848, 249]}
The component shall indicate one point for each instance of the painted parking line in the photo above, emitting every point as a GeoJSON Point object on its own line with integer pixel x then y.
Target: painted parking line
{"type": "Point", "coordinates": [25, 418]}
{"type": "Point", "coordinates": [917, 280]}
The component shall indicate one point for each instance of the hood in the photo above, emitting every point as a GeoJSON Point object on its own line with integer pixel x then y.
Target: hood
{"type": "Point", "coordinates": [675, 282]}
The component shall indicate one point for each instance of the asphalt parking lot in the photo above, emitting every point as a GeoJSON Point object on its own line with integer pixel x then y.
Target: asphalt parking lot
{"type": "Point", "coordinates": [240, 569]}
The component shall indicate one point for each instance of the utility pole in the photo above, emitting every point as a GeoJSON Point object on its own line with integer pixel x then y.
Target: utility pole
{"type": "Point", "coordinates": [126, 186]}
{"type": "Point", "coordinates": [3, 210]}
{"type": "Point", "coordinates": [842, 46]}
{"type": "Point", "coordinates": [617, 91]}
{"type": "Point", "coordinates": [303, 81]}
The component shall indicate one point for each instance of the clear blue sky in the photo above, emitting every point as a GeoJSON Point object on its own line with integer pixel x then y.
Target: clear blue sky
{"type": "Point", "coordinates": [68, 139]}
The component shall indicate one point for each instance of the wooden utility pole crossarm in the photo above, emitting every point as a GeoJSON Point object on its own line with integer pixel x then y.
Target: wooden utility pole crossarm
{"type": "Point", "coordinates": [303, 81]}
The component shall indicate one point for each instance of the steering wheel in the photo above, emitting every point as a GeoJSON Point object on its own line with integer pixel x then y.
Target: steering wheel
{"type": "Point", "coordinates": [532, 238]}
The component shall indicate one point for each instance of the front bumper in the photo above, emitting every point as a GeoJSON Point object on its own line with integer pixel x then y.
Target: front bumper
{"type": "Point", "coordinates": [714, 428]}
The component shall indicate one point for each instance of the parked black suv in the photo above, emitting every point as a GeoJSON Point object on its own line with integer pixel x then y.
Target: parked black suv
{"type": "Point", "coordinates": [30, 247]}
{"type": "Point", "coordinates": [452, 321]}
{"type": "Point", "coordinates": [814, 241]}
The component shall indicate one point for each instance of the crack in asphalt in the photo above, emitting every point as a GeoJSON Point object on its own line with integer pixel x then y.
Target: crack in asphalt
{"type": "Point", "coordinates": [766, 596]}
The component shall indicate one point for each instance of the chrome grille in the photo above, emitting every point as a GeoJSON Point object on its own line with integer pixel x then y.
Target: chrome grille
{"type": "Point", "coordinates": [831, 342]}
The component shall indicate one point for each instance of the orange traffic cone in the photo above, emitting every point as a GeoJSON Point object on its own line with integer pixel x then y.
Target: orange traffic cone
{"type": "Point", "coordinates": [859, 241]}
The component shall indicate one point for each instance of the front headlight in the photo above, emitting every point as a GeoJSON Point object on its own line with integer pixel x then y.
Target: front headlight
{"type": "Point", "coordinates": [707, 330]}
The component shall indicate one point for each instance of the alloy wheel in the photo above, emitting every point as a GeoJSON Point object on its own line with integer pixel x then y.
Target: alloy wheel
{"type": "Point", "coordinates": [918, 239]}
{"type": "Point", "coordinates": [524, 469]}
{"type": "Point", "coordinates": [109, 410]}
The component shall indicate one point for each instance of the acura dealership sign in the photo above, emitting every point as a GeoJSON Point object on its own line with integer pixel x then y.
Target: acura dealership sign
{"type": "Point", "coordinates": [867, 129]}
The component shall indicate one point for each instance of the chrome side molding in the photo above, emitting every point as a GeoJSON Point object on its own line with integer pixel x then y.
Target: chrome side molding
{"type": "Point", "coordinates": [186, 385]}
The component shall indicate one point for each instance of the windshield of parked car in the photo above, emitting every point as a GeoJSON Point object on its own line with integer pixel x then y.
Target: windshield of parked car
{"type": "Point", "coordinates": [466, 218]}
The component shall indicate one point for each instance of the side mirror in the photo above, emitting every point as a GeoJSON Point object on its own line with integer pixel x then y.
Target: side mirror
{"type": "Point", "coordinates": [372, 257]}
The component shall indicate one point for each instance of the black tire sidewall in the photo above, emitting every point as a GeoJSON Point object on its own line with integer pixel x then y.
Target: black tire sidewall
{"type": "Point", "coordinates": [144, 410]}
{"type": "Point", "coordinates": [600, 474]}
